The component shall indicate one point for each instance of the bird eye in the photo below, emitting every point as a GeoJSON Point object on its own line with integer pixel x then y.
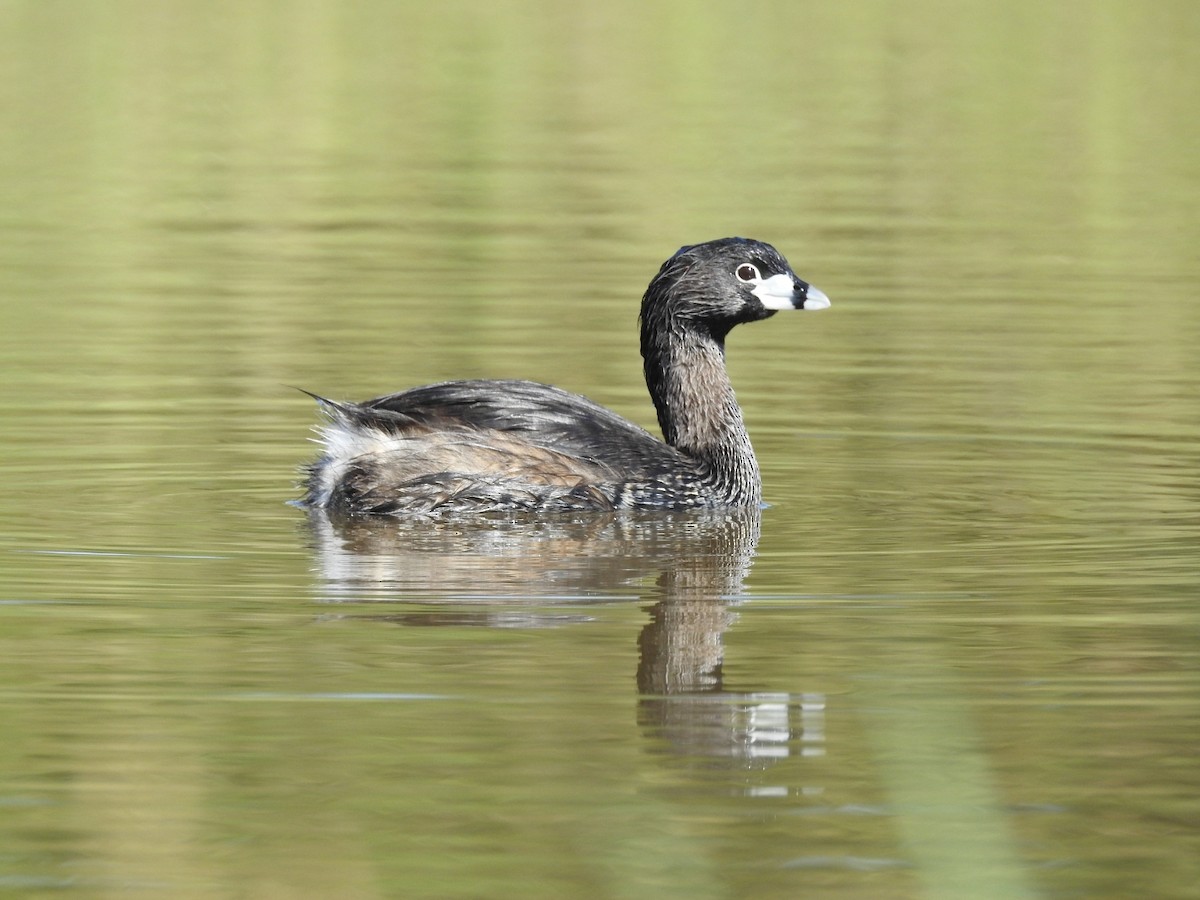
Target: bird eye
{"type": "Point", "coordinates": [747, 272]}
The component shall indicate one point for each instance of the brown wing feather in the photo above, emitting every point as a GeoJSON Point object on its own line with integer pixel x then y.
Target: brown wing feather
{"type": "Point", "coordinates": [411, 467]}
{"type": "Point", "coordinates": [540, 414]}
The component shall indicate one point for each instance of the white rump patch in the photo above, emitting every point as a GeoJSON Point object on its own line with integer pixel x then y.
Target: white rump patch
{"type": "Point", "coordinates": [343, 444]}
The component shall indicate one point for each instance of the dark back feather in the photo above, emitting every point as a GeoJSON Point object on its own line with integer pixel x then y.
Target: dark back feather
{"type": "Point", "coordinates": [541, 414]}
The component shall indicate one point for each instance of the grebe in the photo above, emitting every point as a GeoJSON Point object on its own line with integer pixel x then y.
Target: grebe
{"type": "Point", "coordinates": [464, 447]}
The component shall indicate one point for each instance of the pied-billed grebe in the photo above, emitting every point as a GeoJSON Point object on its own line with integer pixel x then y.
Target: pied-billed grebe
{"type": "Point", "coordinates": [484, 446]}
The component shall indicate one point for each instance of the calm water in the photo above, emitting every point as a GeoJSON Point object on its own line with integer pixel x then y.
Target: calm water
{"type": "Point", "coordinates": [956, 657]}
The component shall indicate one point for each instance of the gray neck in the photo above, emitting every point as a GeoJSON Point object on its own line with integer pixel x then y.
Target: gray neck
{"type": "Point", "coordinates": [699, 413]}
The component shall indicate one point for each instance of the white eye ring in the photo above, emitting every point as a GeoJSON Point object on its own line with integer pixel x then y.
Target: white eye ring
{"type": "Point", "coordinates": [748, 273]}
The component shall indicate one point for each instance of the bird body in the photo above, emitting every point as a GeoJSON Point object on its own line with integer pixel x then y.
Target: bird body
{"type": "Point", "coordinates": [464, 447]}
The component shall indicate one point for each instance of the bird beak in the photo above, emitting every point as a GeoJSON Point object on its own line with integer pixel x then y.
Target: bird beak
{"type": "Point", "coordinates": [811, 297]}
{"type": "Point", "coordinates": [786, 292]}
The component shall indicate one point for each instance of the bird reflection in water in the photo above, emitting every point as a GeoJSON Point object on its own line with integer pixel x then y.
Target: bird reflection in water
{"type": "Point", "coordinates": [486, 573]}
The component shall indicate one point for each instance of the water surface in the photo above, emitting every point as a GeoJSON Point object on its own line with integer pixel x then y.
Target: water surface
{"type": "Point", "coordinates": [955, 657]}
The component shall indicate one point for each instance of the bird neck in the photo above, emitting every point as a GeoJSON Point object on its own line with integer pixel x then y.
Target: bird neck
{"type": "Point", "coordinates": [698, 411]}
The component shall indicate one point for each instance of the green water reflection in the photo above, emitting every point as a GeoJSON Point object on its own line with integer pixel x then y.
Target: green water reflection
{"type": "Point", "coordinates": [955, 658]}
